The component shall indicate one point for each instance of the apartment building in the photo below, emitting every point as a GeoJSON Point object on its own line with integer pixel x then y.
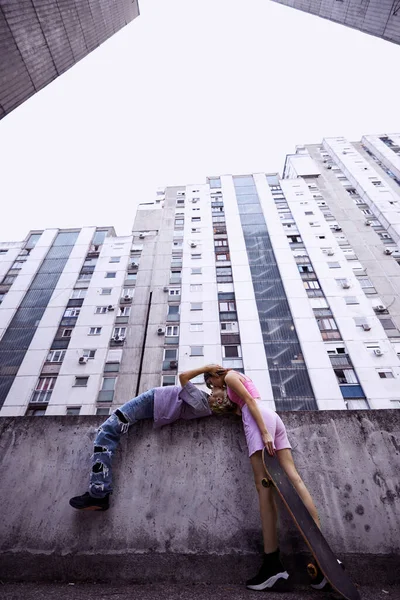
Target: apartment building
{"type": "Point", "coordinates": [65, 298]}
{"type": "Point", "coordinates": [43, 39]}
{"type": "Point", "coordinates": [294, 281]}
{"type": "Point", "coordinates": [377, 17]}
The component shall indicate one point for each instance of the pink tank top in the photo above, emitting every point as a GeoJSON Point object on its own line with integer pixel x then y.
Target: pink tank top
{"type": "Point", "coordinates": [250, 387]}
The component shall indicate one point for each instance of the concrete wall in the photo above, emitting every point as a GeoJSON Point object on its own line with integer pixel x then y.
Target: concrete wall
{"type": "Point", "coordinates": [184, 506]}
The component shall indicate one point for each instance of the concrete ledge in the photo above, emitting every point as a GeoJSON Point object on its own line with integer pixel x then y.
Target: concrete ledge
{"type": "Point", "coordinates": [185, 507]}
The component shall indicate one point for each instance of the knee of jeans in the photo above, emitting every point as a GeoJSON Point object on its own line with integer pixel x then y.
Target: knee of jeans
{"type": "Point", "coordinates": [100, 467]}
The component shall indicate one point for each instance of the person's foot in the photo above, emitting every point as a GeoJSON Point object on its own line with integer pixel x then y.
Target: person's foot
{"type": "Point", "coordinates": [272, 575]}
{"type": "Point", "coordinates": [87, 502]}
{"type": "Point", "coordinates": [319, 581]}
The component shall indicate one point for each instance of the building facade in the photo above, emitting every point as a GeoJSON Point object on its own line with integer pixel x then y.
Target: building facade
{"type": "Point", "coordinates": [377, 17]}
{"type": "Point", "coordinates": [294, 281]}
{"type": "Point", "coordinates": [40, 40]}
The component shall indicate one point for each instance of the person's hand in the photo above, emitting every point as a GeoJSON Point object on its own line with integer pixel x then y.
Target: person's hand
{"type": "Point", "coordinates": [268, 443]}
{"type": "Point", "coordinates": [212, 369]}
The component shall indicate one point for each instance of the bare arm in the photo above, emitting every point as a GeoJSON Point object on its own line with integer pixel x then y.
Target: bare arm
{"type": "Point", "coordinates": [233, 381]}
{"type": "Point", "coordinates": [188, 375]}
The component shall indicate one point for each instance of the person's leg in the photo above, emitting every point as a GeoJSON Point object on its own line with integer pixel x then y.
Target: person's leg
{"type": "Point", "coordinates": [272, 573]}
{"type": "Point", "coordinates": [286, 460]}
{"type": "Point", "coordinates": [105, 444]}
{"type": "Point", "coordinates": [268, 510]}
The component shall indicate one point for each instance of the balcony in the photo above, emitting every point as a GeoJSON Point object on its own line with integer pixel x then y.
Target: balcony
{"type": "Point", "coordinates": [224, 279]}
{"type": "Point", "coordinates": [75, 302]}
{"type": "Point", "coordinates": [340, 360]}
{"type": "Point", "coordinates": [229, 315]}
{"type": "Point", "coordinates": [175, 280]}
{"type": "Point", "coordinates": [173, 318]}
{"type": "Point", "coordinates": [352, 391]}
{"type": "Point", "coordinates": [308, 276]}
{"type": "Point", "coordinates": [105, 396]}
{"type": "Point", "coordinates": [40, 397]}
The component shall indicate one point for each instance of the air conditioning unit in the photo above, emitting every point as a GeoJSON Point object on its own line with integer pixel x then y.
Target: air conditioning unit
{"type": "Point", "coordinates": [337, 228]}
{"type": "Point", "coordinates": [345, 285]}
{"type": "Point", "coordinates": [110, 308]}
{"type": "Point", "coordinates": [379, 308]}
{"type": "Point", "coordinates": [127, 298]}
{"type": "Point", "coordinates": [83, 360]}
{"type": "Point", "coordinates": [330, 253]}
{"type": "Point", "coordinates": [118, 338]}
{"type": "Point", "coordinates": [329, 166]}
{"type": "Point", "coordinates": [134, 265]}
{"type": "Point", "coordinates": [193, 245]}
{"type": "Point", "coordinates": [368, 223]}
{"type": "Point", "coordinates": [161, 331]}
{"type": "Point", "coordinates": [173, 364]}
{"type": "Point", "coordinates": [378, 352]}
{"type": "Point", "coordinates": [387, 251]}
{"type": "Point", "coordinates": [366, 327]}
{"type": "Point", "coordinates": [141, 236]}
{"type": "Point", "coordinates": [165, 289]}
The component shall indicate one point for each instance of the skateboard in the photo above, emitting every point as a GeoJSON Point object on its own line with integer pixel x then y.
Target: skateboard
{"type": "Point", "coordinates": [312, 535]}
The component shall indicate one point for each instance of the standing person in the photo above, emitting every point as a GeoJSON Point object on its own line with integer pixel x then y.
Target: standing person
{"type": "Point", "coordinates": [163, 404]}
{"type": "Point", "coordinates": [263, 428]}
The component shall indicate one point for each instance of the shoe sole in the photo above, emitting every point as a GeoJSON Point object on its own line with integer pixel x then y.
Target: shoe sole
{"type": "Point", "coordinates": [97, 508]}
{"type": "Point", "coordinates": [279, 581]}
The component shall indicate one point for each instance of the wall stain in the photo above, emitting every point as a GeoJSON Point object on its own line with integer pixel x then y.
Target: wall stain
{"type": "Point", "coordinates": [360, 510]}
{"type": "Point", "coordinates": [349, 516]}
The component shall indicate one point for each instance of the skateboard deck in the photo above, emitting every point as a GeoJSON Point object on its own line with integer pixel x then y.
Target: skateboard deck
{"type": "Point", "coordinates": [312, 535]}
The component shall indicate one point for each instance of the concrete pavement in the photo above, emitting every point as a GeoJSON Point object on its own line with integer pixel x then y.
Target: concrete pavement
{"type": "Point", "coordinates": [101, 591]}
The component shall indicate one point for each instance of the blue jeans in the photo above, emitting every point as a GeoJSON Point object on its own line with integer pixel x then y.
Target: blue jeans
{"type": "Point", "coordinates": [108, 436]}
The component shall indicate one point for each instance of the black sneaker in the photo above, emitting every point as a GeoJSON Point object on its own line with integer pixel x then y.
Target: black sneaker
{"type": "Point", "coordinates": [87, 502]}
{"type": "Point", "coordinates": [272, 575]}
{"type": "Point", "coordinates": [319, 581]}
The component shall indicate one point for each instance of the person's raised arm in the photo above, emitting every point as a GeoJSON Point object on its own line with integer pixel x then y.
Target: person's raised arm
{"type": "Point", "coordinates": [188, 375]}
{"type": "Point", "coordinates": [234, 382]}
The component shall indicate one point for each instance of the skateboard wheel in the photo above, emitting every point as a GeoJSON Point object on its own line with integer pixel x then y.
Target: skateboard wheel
{"type": "Point", "coordinates": [266, 482]}
{"type": "Point", "coordinates": [312, 570]}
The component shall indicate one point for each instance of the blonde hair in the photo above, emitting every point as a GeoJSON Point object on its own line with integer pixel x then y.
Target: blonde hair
{"type": "Point", "coordinates": [221, 405]}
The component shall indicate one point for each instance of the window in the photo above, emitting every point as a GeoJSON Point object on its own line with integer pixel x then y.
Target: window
{"type": "Point", "coordinates": [109, 384]}
{"type": "Point", "coordinates": [196, 327]}
{"type": "Point", "coordinates": [229, 326]}
{"type": "Point", "coordinates": [326, 324]}
{"type": "Point", "coordinates": [227, 306]}
{"type": "Point", "coordinates": [3, 251]}
{"type": "Point", "coordinates": [35, 412]}
{"type": "Point", "coordinates": [73, 410]}
{"type": "Point", "coordinates": [223, 257]}
{"type": "Point", "coordinates": [131, 276]}
{"type": "Point", "coordinates": [196, 306]}
{"type": "Point", "coordinates": [196, 287]}
{"type": "Point", "coordinates": [84, 276]}
{"type": "Point", "coordinates": [115, 259]}
{"type": "Point", "coordinates": [351, 300]}
{"type": "Point", "coordinates": [67, 333]}
{"type": "Point", "coordinates": [55, 356]}
{"type": "Point", "coordinates": [78, 294]}
{"type": "Point", "coordinates": [220, 242]}
{"type": "Point", "coordinates": [102, 412]}
{"type": "Point", "coordinates": [119, 332]}
{"type": "Point", "coordinates": [124, 311]}
{"type": "Point", "coordinates": [195, 230]}
{"type": "Point", "coordinates": [168, 380]}
{"type": "Point", "coordinates": [173, 310]}
{"type": "Point", "coordinates": [196, 219]}
{"type": "Point", "coordinates": [72, 312]}
{"type": "Point", "coordinates": [215, 183]}
{"type": "Point", "coordinates": [95, 331]}
{"type": "Point", "coordinates": [179, 222]}
{"type": "Point", "coordinates": [386, 374]}
{"type": "Point", "coordinates": [177, 243]}
{"type": "Point", "coordinates": [231, 351]}
{"type": "Point", "coordinates": [195, 256]}
{"type": "Point", "coordinates": [81, 381]}
{"type": "Point", "coordinates": [196, 271]}
{"type": "Point", "coordinates": [387, 323]}
{"type": "Point", "coordinates": [360, 322]}
{"type": "Point", "coordinates": [101, 310]}
{"type": "Point", "coordinates": [311, 285]}
{"type": "Point", "coordinates": [105, 291]}
{"type": "Point", "coordinates": [89, 353]}
{"type": "Point", "coordinates": [224, 271]}
{"type": "Point", "coordinates": [174, 292]}
{"type": "Point", "coordinates": [170, 354]}
{"type": "Point", "coordinates": [334, 265]}
{"type": "Point", "coordinates": [172, 330]}
{"type": "Point", "coordinates": [196, 351]}
{"type": "Point", "coordinates": [128, 292]}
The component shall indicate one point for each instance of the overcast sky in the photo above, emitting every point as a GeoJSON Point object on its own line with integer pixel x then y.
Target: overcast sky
{"type": "Point", "coordinates": [188, 89]}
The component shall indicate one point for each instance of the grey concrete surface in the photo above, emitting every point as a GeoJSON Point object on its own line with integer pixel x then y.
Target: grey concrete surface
{"type": "Point", "coordinates": [79, 591]}
{"type": "Point", "coordinates": [185, 508]}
